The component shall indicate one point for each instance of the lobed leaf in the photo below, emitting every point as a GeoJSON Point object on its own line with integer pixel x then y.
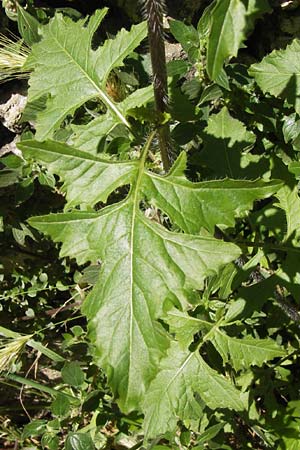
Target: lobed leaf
{"type": "Point", "coordinates": [65, 48]}
{"type": "Point", "coordinates": [143, 265]}
{"type": "Point", "coordinates": [205, 204]}
{"type": "Point", "coordinates": [95, 178]}
{"type": "Point", "coordinates": [171, 393]}
{"type": "Point", "coordinates": [247, 351]}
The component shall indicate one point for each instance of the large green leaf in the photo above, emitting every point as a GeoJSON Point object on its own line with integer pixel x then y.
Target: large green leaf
{"type": "Point", "coordinates": [69, 72]}
{"type": "Point", "coordinates": [171, 393]}
{"type": "Point", "coordinates": [144, 264]}
{"type": "Point", "coordinates": [227, 25]}
{"type": "Point", "coordinates": [279, 73]}
{"type": "Point", "coordinates": [247, 351]}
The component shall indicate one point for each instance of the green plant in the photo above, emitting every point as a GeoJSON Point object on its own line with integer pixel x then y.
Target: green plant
{"type": "Point", "coordinates": [193, 312]}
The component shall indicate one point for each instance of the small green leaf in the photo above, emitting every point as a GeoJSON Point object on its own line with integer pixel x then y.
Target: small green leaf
{"type": "Point", "coordinates": [21, 233]}
{"type": "Point", "coordinates": [79, 441]}
{"type": "Point", "coordinates": [47, 179]}
{"type": "Point", "coordinates": [72, 374]}
{"type": "Point", "coordinates": [28, 26]}
{"type": "Point", "coordinates": [225, 142]}
{"type": "Point", "coordinates": [210, 93]}
{"type": "Point", "coordinates": [209, 434]}
{"type": "Point", "coordinates": [227, 24]}
{"type": "Point", "coordinates": [279, 74]}
{"type": "Point", "coordinates": [50, 441]}
{"type": "Point", "coordinates": [185, 326]}
{"type": "Point", "coordinates": [34, 428]}
{"type": "Point", "coordinates": [235, 309]}
{"type": "Point", "coordinates": [60, 406]}
{"type": "Point", "coordinates": [77, 330]}
{"type": "Point", "coordinates": [185, 34]}
{"type": "Point", "coordinates": [8, 177]}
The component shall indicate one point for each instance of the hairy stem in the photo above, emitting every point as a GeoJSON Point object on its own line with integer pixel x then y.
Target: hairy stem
{"type": "Point", "coordinates": [154, 11]}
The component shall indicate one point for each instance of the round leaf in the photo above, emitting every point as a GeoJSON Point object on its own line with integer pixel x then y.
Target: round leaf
{"type": "Point", "coordinates": [79, 441]}
{"type": "Point", "coordinates": [72, 374]}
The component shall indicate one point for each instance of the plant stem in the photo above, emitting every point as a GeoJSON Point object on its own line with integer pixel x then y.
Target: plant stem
{"type": "Point", "coordinates": [154, 11]}
{"type": "Point", "coordinates": [164, 145]}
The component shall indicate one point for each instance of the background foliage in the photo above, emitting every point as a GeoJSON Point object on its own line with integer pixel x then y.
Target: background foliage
{"type": "Point", "coordinates": [163, 313]}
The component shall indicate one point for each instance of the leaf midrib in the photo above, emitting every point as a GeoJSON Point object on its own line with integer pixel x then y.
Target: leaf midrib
{"type": "Point", "coordinates": [135, 211]}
